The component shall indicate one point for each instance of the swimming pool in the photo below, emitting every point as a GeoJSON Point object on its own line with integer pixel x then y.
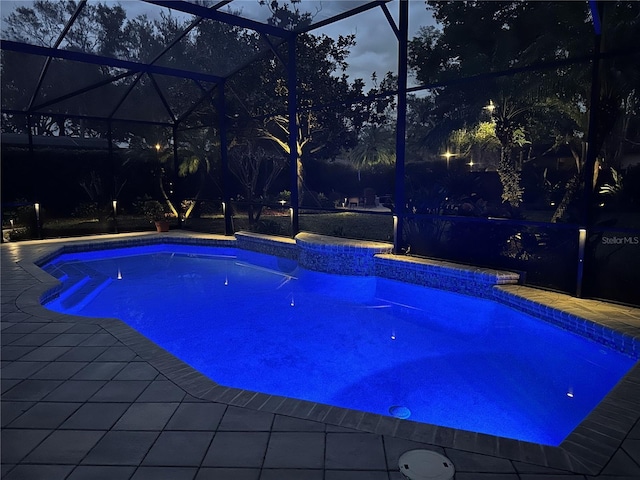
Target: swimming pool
{"type": "Point", "coordinates": [262, 323]}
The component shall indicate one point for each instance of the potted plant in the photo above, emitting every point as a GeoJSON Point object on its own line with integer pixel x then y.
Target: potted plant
{"type": "Point", "coordinates": [157, 214]}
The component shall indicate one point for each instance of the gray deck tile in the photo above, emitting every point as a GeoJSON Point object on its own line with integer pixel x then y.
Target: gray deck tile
{"type": "Point", "coordinates": [35, 339]}
{"type": "Point", "coordinates": [237, 449]}
{"type": "Point", "coordinates": [64, 447]}
{"type": "Point", "coordinates": [100, 371]}
{"type": "Point", "coordinates": [16, 444]}
{"type": "Point", "coordinates": [59, 371]}
{"type": "Point", "coordinates": [57, 327]}
{"type": "Point", "coordinates": [295, 450]}
{"type": "Point", "coordinates": [553, 476]}
{"type": "Point", "coordinates": [80, 354]}
{"type": "Point", "coordinates": [99, 339]}
{"type": "Point", "coordinates": [116, 354]}
{"type": "Point", "coordinates": [120, 391]}
{"type": "Point", "coordinates": [146, 416]}
{"type": "Point", "coordinates": [245, 420]}
{"type": "Point", "coordinates": [12, 410]}
{"type": "Point", "coordinates": [21, 370]}
{"type": "Point", "coordinates": [622, 464]}
{"type": "Point", "coordinates": [179, 449]}
{"type": "Point", "coordinates": [352, 419]}
{"type": "Point", "coordinates": [84, 328]}
{"type": "Point", "coordinates": [354, 451]}
{"type": "Point", "coordinates": [290, 424]}
{"type": "Point", "coordinates": [242, 399]}
{"type": "Point", "coordinates": [369, 422]}
{"type": "Point", "coordinates": [191, 399]}
{"type": "Point", "coordinates": [7, 384]}
{"type": "Point", "coordinates": [293, 474]}
{"type": "Point", "coordinates": [610, 477]}
{"type": "Point", "coordinates": [388, 425]}
{"type": "Point", "coordinates": [39, 472]}
{"type": "Point", "coordinates": [75, 390]}
{"type": "Point", "coordinates": [632, 447]}
{"type": "Point", "coordinates": [8, 338]}
{"type": "Point", "coordinates": [339, 429]}
{"type": "Point", "coordinates": [34, 390]}
{"type": "Point", "coordinates": [486, 476]}
{"type": "Point", "coordinates": [121, 448]}
{"type": "Point", "coordinates": [162, 391]}
{"type": "Point", "coordinates": [165, 473]}
{"type": "Point", "coordinates": [11, 352]}
{"type": "Point", "coordinates": [475, 462]}
{"type": "Point", "coordinates": [45, 415]}
{"type": "Point", "coordinates": [95, 416]}
{"type": "Point", "coordinates": [197, 416]}
{"type": "Point", "coordinates": [45, 354]}
{"type": "Point", "coordinates": [355, 475]}
{"type": "Point", "coordinates": [207, 473]}
{"type": "Point", "coordinates": [522, 467]}
{"type": "Point", "coordinates": [396, 476]}
{"type": "Point", "coordinates": [24, 327]}
{"type": "Point", "coordinates": [101, 472]}
{"type": "Point", "coordinates": [68, 340]}
{"type": "Point", "coordinates": [137, 371]}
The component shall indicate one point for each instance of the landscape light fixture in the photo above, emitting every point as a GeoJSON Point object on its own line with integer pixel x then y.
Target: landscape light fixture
{"type": "Point", "coordinates": [491, 107]}
{"type": "Point", "coordinates": [448, 156]}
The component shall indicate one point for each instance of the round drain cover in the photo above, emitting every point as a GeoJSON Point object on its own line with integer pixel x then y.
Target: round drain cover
{"type": "Point", "coordinates": [399, 411]}
{"type": "Point", "coordinates": [426, 465]}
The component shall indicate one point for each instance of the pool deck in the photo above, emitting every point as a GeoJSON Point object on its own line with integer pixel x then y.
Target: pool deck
{"type": "Point", "coordinates": [93, 399]}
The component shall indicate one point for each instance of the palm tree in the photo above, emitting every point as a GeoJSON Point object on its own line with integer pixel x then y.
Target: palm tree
{"type": "Point", "coordinates": [376, 146]}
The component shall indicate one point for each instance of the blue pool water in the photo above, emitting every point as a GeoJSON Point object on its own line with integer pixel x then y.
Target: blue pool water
{"type": "Point", "coordinates": [261, 323]}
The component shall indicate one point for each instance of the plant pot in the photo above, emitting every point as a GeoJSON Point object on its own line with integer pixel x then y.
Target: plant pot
{"type": "Point", "coordinates": [162, 226]}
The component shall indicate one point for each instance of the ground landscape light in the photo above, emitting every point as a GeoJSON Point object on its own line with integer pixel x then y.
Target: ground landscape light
{"type": "Point", "coordinates": [491, 107]}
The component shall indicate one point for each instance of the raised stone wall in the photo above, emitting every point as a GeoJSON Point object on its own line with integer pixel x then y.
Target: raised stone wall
{"type": "Point", "coordinates": [341, 256]}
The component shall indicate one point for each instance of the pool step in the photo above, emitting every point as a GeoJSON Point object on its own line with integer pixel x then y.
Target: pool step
{"type": "Point", "coordinates": [87, 292]}
{"type": "Point", "coordinates": [80, 285]}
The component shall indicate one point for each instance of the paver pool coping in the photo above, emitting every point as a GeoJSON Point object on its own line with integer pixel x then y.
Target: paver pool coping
{"type": "Point", "coordinates": [586, 450]}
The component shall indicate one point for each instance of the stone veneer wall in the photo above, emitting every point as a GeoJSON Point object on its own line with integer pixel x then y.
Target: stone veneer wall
{"type": "Point", "coordinates": [267, 244]}
{"type": "Point", "coordinates": [341, 256]}
{"type": "Point", "coordinates": [454, 277]}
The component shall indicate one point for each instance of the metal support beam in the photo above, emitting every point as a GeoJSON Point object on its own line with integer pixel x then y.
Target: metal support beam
{"type": "Point", "coordinates": [175, 196]}
{"type": "Point", "coordinates": [112, 171]}
{"type": "Point", "coordinates": [592, 151]}
{"type": "Point", "coordinates": [59, 40]}
{"type": "Point", "coordinates": [293, 137]}
{"type": "Point", "coordinates": [224, 161]}
{"type": "Point", "coordinates": [201, 11]}
{"type": "Point", "coordinates": [342, 16]}
{"type": "Point", "coordinates": [90, 58]}
{"type": "Point", "coordinates": [401, 127]}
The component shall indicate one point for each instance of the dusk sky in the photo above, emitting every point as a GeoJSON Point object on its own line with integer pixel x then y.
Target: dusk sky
{"type": "Point", "coordinates": [376, 47]}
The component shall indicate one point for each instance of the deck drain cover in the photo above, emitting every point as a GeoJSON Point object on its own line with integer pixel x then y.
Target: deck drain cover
{"type": "Point", "coordinates": [399, 411]}
{"type": "Point", "coordinates": [426, 465]}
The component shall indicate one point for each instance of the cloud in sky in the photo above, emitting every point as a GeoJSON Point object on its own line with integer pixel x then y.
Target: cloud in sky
{"type": "Point", "coordinates": [376, 47]}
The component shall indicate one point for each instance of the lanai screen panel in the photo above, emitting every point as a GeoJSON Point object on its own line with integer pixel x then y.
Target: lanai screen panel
{"type": "Point", "coordinates": [20, 74]}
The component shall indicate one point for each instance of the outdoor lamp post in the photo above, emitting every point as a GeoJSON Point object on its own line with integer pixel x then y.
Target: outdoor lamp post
{"type": "Point", "coordinates": [36, 207]}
